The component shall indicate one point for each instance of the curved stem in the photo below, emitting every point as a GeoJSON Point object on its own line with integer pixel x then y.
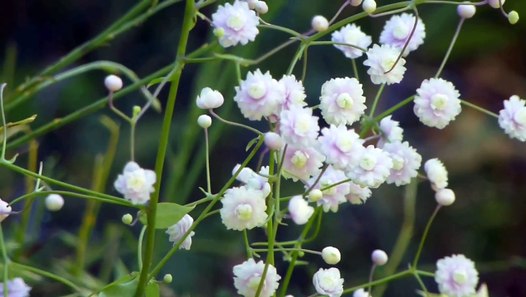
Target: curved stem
{"type": "Point", "coordinates": [450, 48]}
{"type": "Point", "coordinates": [424, 237]}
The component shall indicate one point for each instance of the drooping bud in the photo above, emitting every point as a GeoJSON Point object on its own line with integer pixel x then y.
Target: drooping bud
{"type": "Point", "coordinates": [113, 83]}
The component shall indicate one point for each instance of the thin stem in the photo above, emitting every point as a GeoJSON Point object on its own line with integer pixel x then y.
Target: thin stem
{"type": "Point", "coordinates": [450, 48]}
{"type": "Point", "coordinates": [247, 244]}
{"type": "Point", "coordinates": [212, 112]}
{"type": "Point", "coordinates": [139, 247]}
{"type": "Point", "coordinates": [424, 237]}
{"type": "Point", "coordinates": [371, 273]}
{"type": "Point", "coordinates": [406, 43]}
{"type": "Point", "coordinates": [394, 108]}
{"type": "Point", "coordinates": [384, 280]}
{"type": "Point", "coordinates": [47, 274]}
{"type": "Point", "coordinates": [207, 156]}
{"type": "Point", "coordinates": [476, 107]}
{"type": "Point", "coordinates": [5, 260]}
{"type": "Point", "coordinates": [280, 28]}
{"type": "Point", "coordinates": [340, 10]}
{"type": "Point", "coordinates": [296, 57]}
{"type": "Point", "coordinates": [376, 99]}
{"type": "Point", "coordinates": [132, 139]}
{"type": "Point", "coordinates": [4, 125]}
{"type": "Point", "coordinates": [355, 69]}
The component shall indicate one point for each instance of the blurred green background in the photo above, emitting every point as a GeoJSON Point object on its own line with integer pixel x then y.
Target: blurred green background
{"type": "Point", "coordinates": [487, 169]}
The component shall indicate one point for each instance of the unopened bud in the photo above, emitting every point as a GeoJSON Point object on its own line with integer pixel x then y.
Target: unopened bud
{"type": "Point", "coordinates": [127, 219]}
{"type": "Point", "coordinates": [445, 197]}
{"type": "Point", "coordinates": [319, 23]}
{"type": "Point", "coordinates": [513, 17]}
{"type": "Point", "coordinates": [136, 110]}
{"type": "Point", "coordinates": [331, 255]}
{"type": "Point", "coordinates": [466, 11]}
{"type": "Point", "coordinates": [113, 83]}
{"type": "Point", "coordinates": [495, 3]}
{"type": "Point", "coordinates": [167, 278]}
{"type": "Point", "coordinates": [379, 257]}
{"type": "Point", "coordinates": [204, 121]}
{"type": "Point", "coordinates": [273, 141]}
{"type": "Point", "coordinates": [54, 202]}
{"type": "Point", "coordinates": [5, 210]}
{"type": "Point", "coordinates": [369, 6]}
{"type": "Point", "coordinates": [315, 195]}
{"type": "Point", "coordinates": [356, 2]}
{"type": "Point", "coordinates": [261, 7]}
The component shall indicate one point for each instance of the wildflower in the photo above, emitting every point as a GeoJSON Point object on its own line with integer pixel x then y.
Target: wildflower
{"type": "Point", "coordinates": [294, 92]}
{"type": "Point", "coordinates": [397, 31]}
{"type": "Point", "coordinates": [253, 180]}
{"type": "Point", "coordinates": [381, 60]}
{"type": "Point", "coordinates": [5, 210]}
{"type": "Point", "coordinates": [209, 99]}
{"type": "Point", "coordinates": [354, 37]}
{"type": "Point", "coordinates": [259, 95]}
{"type": "Point", "coordinates": [113, 83]}
{"type": "Point", "coordinates": [319, 23]}
{"type": "Point", "coordinates": [358, 194]}
{"type": "Point", "coordinates": [340, 146]}
{"type": "Point", "coordinates": [445, 197]}
{"type": "Point", "coordinates": [301, 162]}
{"type": "Point", "coordinates": [390, 131]}
{"type": "Point", "coordinates": [456, 276]}
{"type": "Point", "coordinates": [177, 230]}
{"type": "Point", "coordinates": [513, 118]}
{"type": "Point", "coordinates": [298, 126]}
{"type": "Point", "coordinates": [437, 102]}
{"type": "Point", "coordinates": [54, 202]}
{"type": "Point", "coordinates": [333, 195]}
{"type": "Point", "coordinates": [406, 161]}
{"type": "Point", "coordinates": [16, 288]}
{"type": "Point", "coordinates": [379, 257]}
{"type": "Point", "coordinates": [135, 183]}
{"type": "Point", "coordinates": [328, 281]}
{"type": "Point", "coordinates": [235, 23]}
{"type": "Point", "coordinates": [299, 210]}
{"type": "Point", "coordinates": [466, 11]}
{"type": "Point", "coordinates": [331, 255]}
{"type": "Point", "coordinates": [204, 121]}
{"type": "Point", "coordinates": [247, 277]}
{"type": "Point", "coordinates": [243, 208]}
{"type": "Point", "coordinates": [342, 101]}
{"type": "Point", "coordinates": [373, 168]}
{"type": "Point", "coordinates": [436, 173]}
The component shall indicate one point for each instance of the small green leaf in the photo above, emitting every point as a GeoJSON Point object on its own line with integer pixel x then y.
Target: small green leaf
{"type": "Point", "coordinates": [167, 214]}
{"type": "Point", "coordinates": [152, 289]}
{"type": "Point", "coordinates": [251, 143]}
{"type": "Point", "coordinates": [125, 286]}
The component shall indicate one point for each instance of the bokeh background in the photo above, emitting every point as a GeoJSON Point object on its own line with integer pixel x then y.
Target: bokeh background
{"type": "Point", "coordinates": [487, 169]}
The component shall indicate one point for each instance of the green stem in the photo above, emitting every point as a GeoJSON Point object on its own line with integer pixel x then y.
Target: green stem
{"type": "Point", "coordinates": [450, 48]}
{"type": "Point", "coordinates": [424, 237]}
{"type": "Point", "coordinates": [478, 108]}
{"type": "Point", "coordinates": [380, 281]}
{"type": "Point", "coordinates": [376, 100]}
{"type": "Point", "coordinates": [44, 273]}
{"type": "Point", "coordinates": [355, 69]}
{"type": "Point", "coordinates": [207, 156]}
{"type": "Point", "coordinates": [394, 108]}
{"type": "Point", "coordinates": [5, 260]}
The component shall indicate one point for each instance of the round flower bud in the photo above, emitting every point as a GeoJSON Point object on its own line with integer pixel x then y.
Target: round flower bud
{"type": "Point", "coordinates": [127, 219]}
{"type": "Point", "coordinates": [356, 2]}
{"type": "Point", "coordinates": [261, 7]}
{"type": "Point", "coordinates": [379, 257]}
{"type": "Point", "coordinates": [319, 23]}
{"type": "Point", "coordinates": [209, 99]}
{"type": "Point", "coordinates": [167, 278]}
{"type": "Point", "coordinates": [204, 121]}
{"type": "Point", "coordinates": [513, 17]}
{"type": "Point", "coordinates": [445, 197]}
{"type": "Point", "coordinates": [54, 202]}
{"type": "Point", "coordinates": [273, 141]}
{"type": "Point", "coordinates": [466, 11]}
{"type": "Point", "coordinates": [360, 293]}
{"type": "Point", "coordinates": [495, 3]}
{"type": "Point", "coordinates": [369, 6]}
{"type": "Point", "coordinates": [5, 210]}
{"type": "Point", "coordinates": [252, 4]}
{"type": "Point", "coordinates": [315, 195]}
{"type": "Point", "coordinates": [136, 110]}
{"type": "Point", "coordinates": [113, 83]}
{"type": "Point", "coordinates": [331, 255]}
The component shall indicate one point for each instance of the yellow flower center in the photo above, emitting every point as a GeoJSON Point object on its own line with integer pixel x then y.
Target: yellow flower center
{"type": "Point", "coordinates": [438, 102]}
{"type": "Point", "coordinates": [236, 21]}
{"type": "Point", "coordinates": [344, 101]}
{"type": "Point", "coordinates": [257, 90]}
{"type": "Point", "coordinates": [299, 159]}
{"type": "Point", "coordinates": [244, 212]}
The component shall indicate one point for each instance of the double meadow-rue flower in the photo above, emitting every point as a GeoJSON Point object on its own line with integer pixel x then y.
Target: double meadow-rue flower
{"type": "Point", "coordinates": [390, 131]}
{"type": "Point", "coordinates": [301, 162]}
{"type": "Point", "coordinates": [397, 31]}
{"type": "Point", "coordinates": [437, 102]}
{"type": "Point", "coordinates": [298, 126]}
{"type": "Point", "coordinates": [135, 183]}
{"type": "Point", "coordinates": [15, 288]}
{"type": "Point", "coordinates": [342, 101]}
{"type": "Point", "coordinates": [328, 282]}
{"type": "Point", "coordinates": [436, 173]}
{"type": "Point", "coordinates": [340, 146]}
{"type": "Point", "coordinates": [358, 194]}
{"type": "Point", "coordinates": [406, 161]}
{"type": "Point", "coordinates": [456, 276]}
{"type": "Point", "coordinates": [247, 277]}
{"type": "Point", "coordinates": [333, 195]}
{"type": "Point", "coordinates": [373, 168]}
{"type": "Point", "coordinates": [5, 210]}
{"type": "Point", "coordinates": [209, 99]}
{"type": "Point", "coordinates": [235, 23]}
{"type": "Point", "coordinates": [294, 92]}
{"type": "Point", "coordinates": [177, 230]}
{"type": "Point", "coordinates": [259, 95]}
{"type": "Point", "coordinates": [381, 60]}
{"type": "Point", "coordinates": [300, 211]}
{"type": "Point", "coordinates": [243, 208]}
{"type": "Point", "coordinates": [353, 36]}
{"type": "Point", "coordinates": [253, 180]}
{"type": "Point", "coordinates": [513, 118]}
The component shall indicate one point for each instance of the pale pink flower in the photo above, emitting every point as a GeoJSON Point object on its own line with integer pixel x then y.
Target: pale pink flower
{"type": "Point", "coordinates": [235, 23]}
{"type": "Point", "coordinates": [253, 180]}
{"type": "Point", "coordinates": [294, 92]}
{"type": "Point", "coordinates": [353, 36]}
{"type": "Point", "coordinates": [358, 194]}
{"type": "Point", "coordinates": [513, 118]}
{"type": "Point", "coordinates": [342, 101]}
{"type": "Point", "coordinates": [298, 126]}
{"type": "Point", "coordinates": [398, 29]}
{"type": "Point", "coordinates": [177, 230]}
{"type": "Point", "coordinates": [333, 195]}
{"type": "Point", "coordinates": [243, 208]}
{"type": "Point", "coordinates": [301, 162]}
{"type": "Point", "coordinates": [299, 210]}
{"type": "Point", "coordinates": [328, 282]}
{"type": "Point", "coordinates": [381, 60]}
{"type": "Point", "coordinates": [135, 183]}
{"type": "Point", "coordinates": [16, 287]}
{"type": "Point", "coordinates": [406, 161]}
{"type": "Point", "coordinates": [341, 146]}
{"type": "Point", "coordinates": [247, 277]}
{"type": "Point", "coordinates": [373, 168]}
{"type": "Point", "coordinates": [437, 102]}
{"type": "Point", "coordinates": [456, 276]}
{"type": "Point", "coordinates": [390, 131]}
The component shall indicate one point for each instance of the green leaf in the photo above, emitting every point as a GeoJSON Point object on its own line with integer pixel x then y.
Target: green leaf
{"type": "Point", "coordinates": [155, 81]}
{"type": "Point", "coordinates": [167, 214]}
{"type": "Point", "coordinates": [251, 143]}
{"type": "Point", "coordinates": [152, 289]}
{"type": "Point", "coordinates": [125, 286]}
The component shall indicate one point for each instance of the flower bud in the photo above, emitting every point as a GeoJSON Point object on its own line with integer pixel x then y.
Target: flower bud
{"type": "Point", "coordinates": [331, 255]}
{"type": "Point", "coordinates": [252, 4]}
{"type": "Point", "coordinates": [369, 6]}
{"type": "Point", "coordinates": [513, 17]}
{"type": "Point", "coordinates": [167, 278]}
{"type": "Point", "coordinates": [360, 293]}
{"type": "Point", "coordinates": [379, 257]}
{"type": "Point", "coordinates": [356, 2]}
{"type": "Point", "coordinates": [5, 210]}
{"type": "Point", "coordinates": [261, 7]}
{"type": "Point", "coordinates": [466, 11]}
{"type": "Point", "coordinates": [204, 121]}
{"type": "Point", "coordinates": [299, 210]}
{"type": "Point", "coordinates": [136, 110]}
{"type": "Point", "coordinates": [54, 202]}
{"type": "Point", "coordinates": [273, 141]}
{"type": "Point", "coordinates": [209, 99]}
{"type": "Point", "coordinates": [445, 197]}
{"type": "Point", "coordinates": [495, 3]}
{"type": "Point", "coordinates": [319, 23]}
{"type": "Point", "coordinates": [315, 195]}
{"type": "Point", "coordinates": [113, 83]}
{"type": "Point", "coordinates": [127, 219]}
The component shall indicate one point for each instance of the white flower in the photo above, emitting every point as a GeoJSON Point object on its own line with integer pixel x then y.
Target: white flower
{"type": "Point", "coordinates": [247, 277]}
{"type": "Point", "coordinates": [16, 288]}
{"type": "Point", "coordinates": [390, 131]}
{"type": "Point", "coordinates": [5, 210]}
{"type": "Point", "coordinates": [209, 99]}
{"type": "Point", "coordinates": [437, 102]}
{"type": "Point", "coordinates": [373, 168]}
{"type": "Point", "coordinates": [445, 197]}
{"type": "Point", "coordinates": [342, 101]}
{"type": "Point", "coordinates": [113, 83]}
{"type": "Point", "coordinates": [360, 293]}
{"type": "Point", "coordinates": [299, 210]}
{"type": "Point", "coordinates": [398, 29]}
{"type": "Point", "coordinates": [379, 257]}
{"type": "Point", "coordinates": [177, 230]}
{"type": "Point", "coordinates": [353, 36]}
{"type": "Point", "coordinates": [243, 208]}
{"type": "Point", "coordinates": [340, 145]}
{"type": "Point", "coordinates": [298, 126]}
{"type": "Point", "coordinates": [259, 95]}
{"type": "Point", "coordinates": [358, 194]}
{"type": "Point", "coordinates": [319, 23]}
{"type": "Point", "coordinates": [436, 173]}
{"type": "Point", "coordinates": [273, 141]}
{"type": "Point", "coordinates": [331, 255]}
{"type": "Point", "coordinates": [328, 282]}
{"type": "Point", "coordinates": [406, 161]}
{"type": "Point", "coordinates": [235, 23]}
{"type": "Point", "coordinates": [54, 202]}
{"type": "Point", "coordinates": [513, 118]}
{"type": "Point", "coordinates": [333, 196]}
{"type": "Point", "coordinates": [381, 60]}
{"type": "Point", "coordinates": [253, 180]}
{"type": "Point", "coordinates": [294, 92]}
{"type": "Point", "coordinates": [135, 183]}
{"type": "Point", "coordinates": [456, 276]}
{"type": "Point", "coordinates": [301, 162]}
